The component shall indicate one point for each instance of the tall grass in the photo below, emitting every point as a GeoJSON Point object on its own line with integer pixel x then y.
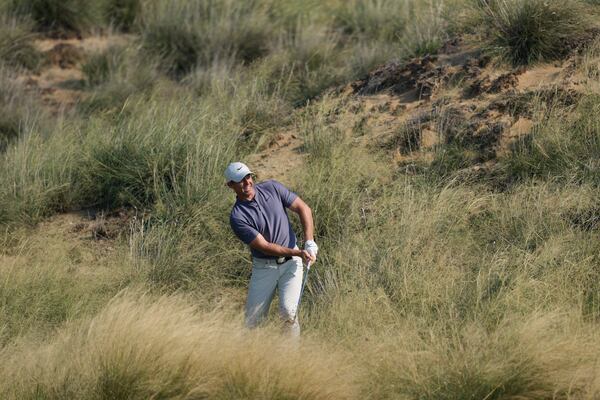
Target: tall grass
{"type": "Point", "coordinates": [375, 19]}
{"type": "Point", "coordinates": [19, 113]}
{"type": "Point", "coordinates": [46, 281]}
{"type": "Point", "coordinates": [535, 357]}
{"type": "Point", "coordinates": [589, 63]}
{"type": "Point", "coordinates": [188, 34]}
{"type": "Point", "coordinates": [115, 75]}
{"type": "Point", "coordinates": [122, 14]}
{"type": "Point", "coordinates": [140, 348]}
{"type": "Point", "coordinates": [101, 67]}
{"type": "Point", "coordinates": [560, 146]}
{"type": "Point", "coordinates": [427, 286]}
{"type": "Point", "coordinates": [35, 182]}
{"type": "Point", "coordinates": [304, 63]}
{"type": "Point", "coordinates": [439, 251]}
{"type": "Point", "coordinates": [523, 32]}
{"type": "Point", "coordinates": [16, 48]}
{"type": "Point", "coordinates": [161, 154]}
{"type": "Point", "coordinates": [313, 43]}
{"type": "Point", "coordinates": [59, 16]}
{"type": "Point", "coordinates": [418, 27]}
{"type": "Point", "coordinates": [457, 268]}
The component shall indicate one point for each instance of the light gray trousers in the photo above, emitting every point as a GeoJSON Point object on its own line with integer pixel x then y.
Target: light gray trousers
{"type": "Point", "coordinates": [267, 276]}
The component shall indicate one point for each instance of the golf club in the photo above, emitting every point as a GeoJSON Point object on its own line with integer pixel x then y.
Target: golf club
{"type": "Point", "coordinates": [303, 285]}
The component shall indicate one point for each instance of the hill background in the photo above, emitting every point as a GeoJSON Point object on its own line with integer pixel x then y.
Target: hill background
{"type": "Point", "coordinates": [448, 149]}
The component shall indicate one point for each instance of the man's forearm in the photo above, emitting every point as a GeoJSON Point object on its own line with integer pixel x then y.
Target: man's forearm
{"type": "Point", "coordinates": [277, 250]}
{"type": "Point", "coordinates": [274, 249]}
{"type": "Point", "coordinates": [306, 220]}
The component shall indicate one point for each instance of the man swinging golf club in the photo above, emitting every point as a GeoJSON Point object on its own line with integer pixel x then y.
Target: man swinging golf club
{"type": "Point", "coordinates": [259, 219]}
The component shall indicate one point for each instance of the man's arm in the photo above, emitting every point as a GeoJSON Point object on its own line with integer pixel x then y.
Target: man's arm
{"type": "Point", "coordinates": [261, 244]}
{"type": "Point", "coordinates": [306, 219]}
{"type": "Point", "coordinates": [305, 213]}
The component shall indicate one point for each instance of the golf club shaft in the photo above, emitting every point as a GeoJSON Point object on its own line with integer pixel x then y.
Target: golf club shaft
{"type": "Point", "coordinates": [303, 285]}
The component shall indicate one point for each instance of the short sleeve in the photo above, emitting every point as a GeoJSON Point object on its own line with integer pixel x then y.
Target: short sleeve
{"type": "Point", "coordinates": [287, 196]}
{"type": "Point", "coordinates": [242, 230]}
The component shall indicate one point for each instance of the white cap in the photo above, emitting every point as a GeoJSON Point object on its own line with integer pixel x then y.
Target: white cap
{"type": "Point", "coordinates": [236, 171]}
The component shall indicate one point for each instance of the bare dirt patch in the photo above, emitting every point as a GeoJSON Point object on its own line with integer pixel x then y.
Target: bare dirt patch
{"type": "Point", "coordinates": [457, 97]}
{"type": "Point", "coordinates": [282, 155]}
{"type": "Point", "coordinates": [540, 76]}
{"type": "Point", "coordinates": [60, 81]}
{"type": "Point", "coordinates": [518, 130]}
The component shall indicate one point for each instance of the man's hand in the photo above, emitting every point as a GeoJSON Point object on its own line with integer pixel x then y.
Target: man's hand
{"type": "Point", "coordinates": [261, 244]}
{"type": "Point", "coordinates": [307, 257]}
{"type": "Point", "coordinates": [311, 247]}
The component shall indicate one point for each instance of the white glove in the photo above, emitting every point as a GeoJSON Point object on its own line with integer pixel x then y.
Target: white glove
{"type": "Point", "coordinates": [311, 247]}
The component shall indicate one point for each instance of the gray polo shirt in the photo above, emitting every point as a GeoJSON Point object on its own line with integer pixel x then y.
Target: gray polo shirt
{"type": "Point", "coordinates": [265, 214]}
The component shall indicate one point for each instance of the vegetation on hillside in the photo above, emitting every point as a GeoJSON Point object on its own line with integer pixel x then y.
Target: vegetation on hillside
{"type": "Point", "coordinates": [16, 49]}
{"type": "Point", "coordinates": [436, 282]}
{"type": "Point", "coordinates": [533, 30]}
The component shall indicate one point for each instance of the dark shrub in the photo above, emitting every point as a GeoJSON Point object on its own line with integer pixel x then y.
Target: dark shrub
{"type": "Point", "coordinates": [525, 31]}
{"type": "Point", "coordinates": [122, 14]}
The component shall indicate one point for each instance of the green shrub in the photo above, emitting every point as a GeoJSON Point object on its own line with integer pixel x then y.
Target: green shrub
{"type": "Point", "coordinates": [163, 153]}
{"type": "Point", "coordinates": [156, 150]}
{"type": "Point", "coordinates": [37, 295]}
{"type": "Point", "coordinates": [184, 35]}
{"type": "Point", "coordinates": [114, 76]}
{"type": "Point", "coordinates": [100, 67]}
{"type": "Point", "coordinates": [372, 19]}
{"type": "Point", "coordinates": [16, 48]}
{"type": "Point", "coordinates": [190, 248]}
{"type": "Point", "coordinates": [37, 175]}
{"type": "Point", "coordinates": [122, 14]}
{"type": "Point", "coordinates": [177, 47]}
{"type": "Point", "coordinates": [525, 31]}
{"type": "Point", "coordinates": [60, 16]}
{"type": "Point", "coordinates": [127, 166]}
{"type": "Point", "coordinates": [560, 146]}
{"type": "Point", "coordinates": [124, 173]}
{"type": "Point", "coordinates": [417, 26]}
{"type": "Point", "coordinates": [18, 112]}
{"type": "Point", "coordinates": [426, 27]}
{"type": "Point", "coordinates": [302, 66]}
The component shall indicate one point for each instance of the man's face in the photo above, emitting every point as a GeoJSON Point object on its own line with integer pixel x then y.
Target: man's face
{"type": "Point", "coordinates": [244, 189]}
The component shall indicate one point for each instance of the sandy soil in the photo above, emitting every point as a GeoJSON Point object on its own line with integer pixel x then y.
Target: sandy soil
{"type": "Point", "coordinates": [540, 76]}
{"type": "Point", "coordinates": [282, 156]}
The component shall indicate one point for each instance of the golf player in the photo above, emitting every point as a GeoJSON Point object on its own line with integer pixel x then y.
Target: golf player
{"type": "Point", "coordinates": [259, 219]}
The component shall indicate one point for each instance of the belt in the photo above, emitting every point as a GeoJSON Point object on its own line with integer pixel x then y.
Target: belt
{"type": "Point", "coordinates": [278, 261]}
{"type": "Point", "coordinates": [281, 260]}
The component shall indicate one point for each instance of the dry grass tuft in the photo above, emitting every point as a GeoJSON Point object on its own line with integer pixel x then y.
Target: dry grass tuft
{"type": "Point", "coordinates": [525, 31]}
{"type": "Point", "coordinates": [139, 348]}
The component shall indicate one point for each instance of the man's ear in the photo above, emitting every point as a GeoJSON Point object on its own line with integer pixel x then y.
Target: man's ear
{"type": "Point", "coordinates": [228, 184]}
